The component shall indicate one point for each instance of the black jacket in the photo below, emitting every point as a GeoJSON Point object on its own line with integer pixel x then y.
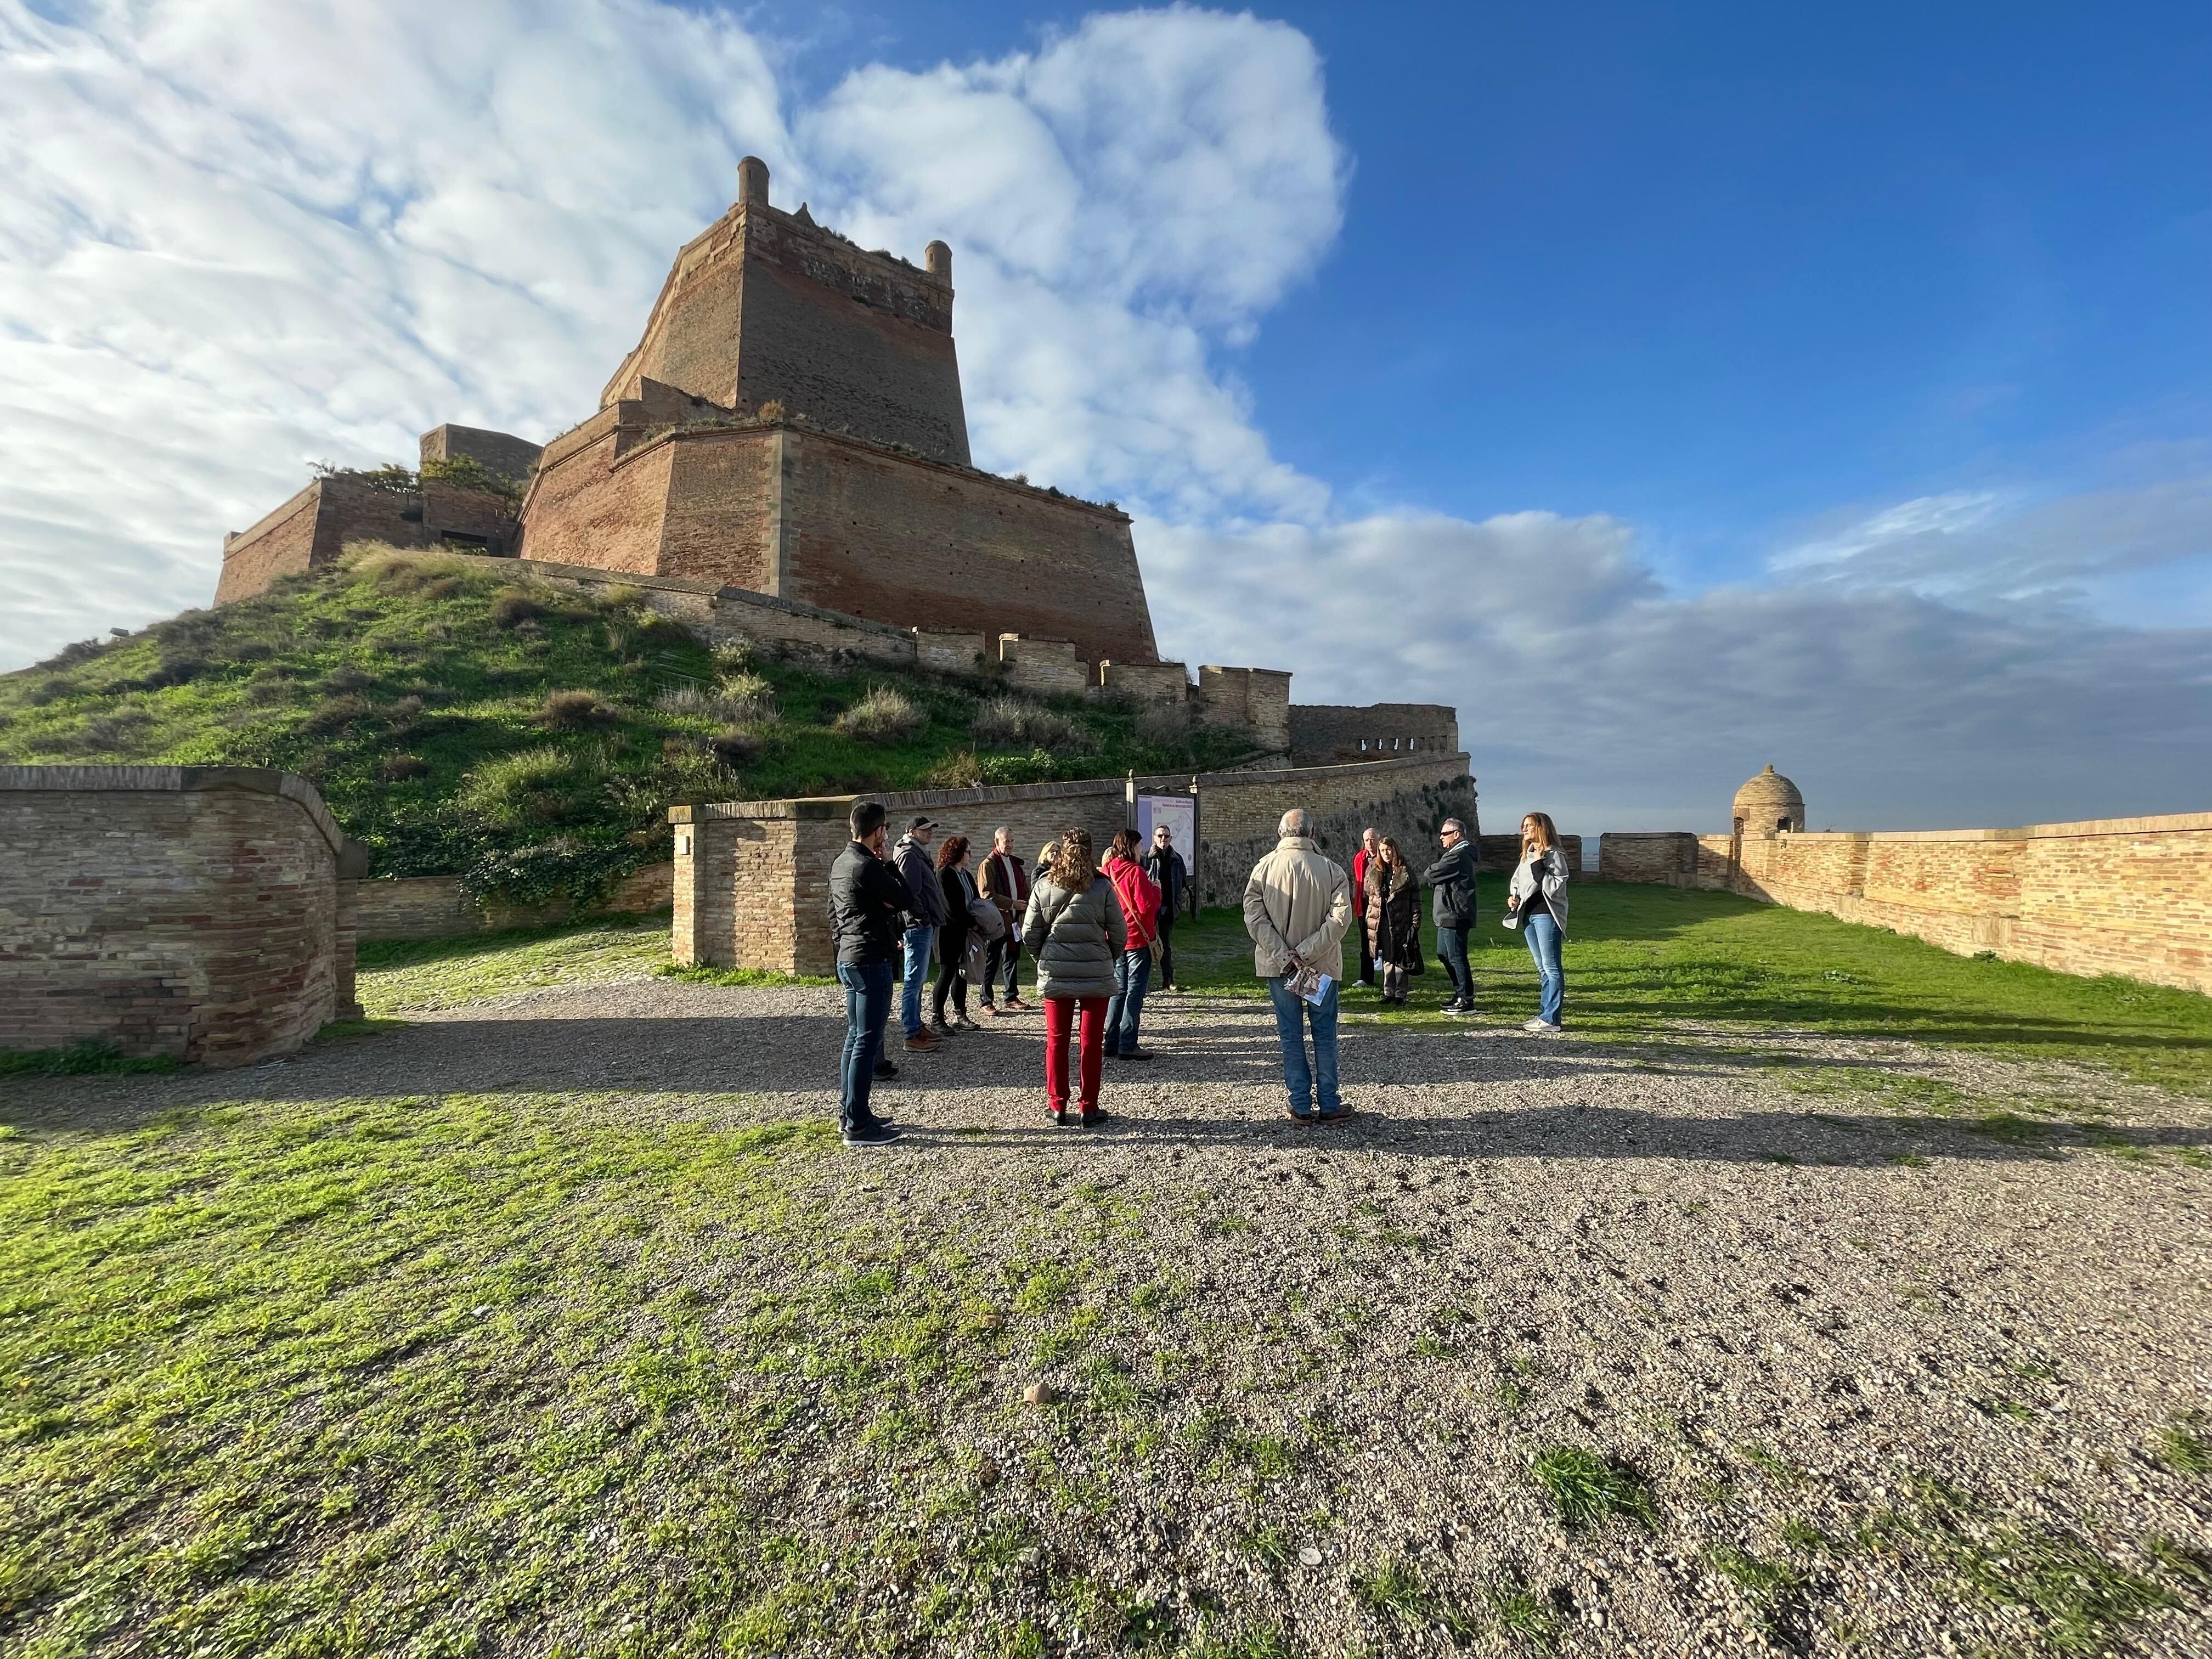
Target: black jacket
{"type": "Point", "coordinates": [1451, 879]}
{"type": "Point", "coordinates": [1173, 876]}
{"type": "Point", "coordinates": [867, 898]}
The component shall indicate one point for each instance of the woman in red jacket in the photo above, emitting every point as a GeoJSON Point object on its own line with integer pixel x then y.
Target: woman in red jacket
{"type": "Point", "coordinates": [1132, 969]}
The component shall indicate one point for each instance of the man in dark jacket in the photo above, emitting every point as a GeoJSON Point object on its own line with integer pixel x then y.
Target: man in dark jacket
{"type": "Point", "coordinates": [868, 900]}
{"type": "Point", "coordinates": [1451, 879]}
{"type": "Point", "coordinates": [925, 913]}
{"type": "Point", "coordinates": [1172, 876]}
{"type": "Point", "coordinates": [1006, 882]}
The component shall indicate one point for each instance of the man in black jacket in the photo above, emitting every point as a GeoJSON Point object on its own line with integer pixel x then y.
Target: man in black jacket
{"type": "Point", "coordinates": [1166, 868]}
{"type": "Point", "coordinates": [1451, 880]}
{"type": "Point", "coordinates": [868, 900]}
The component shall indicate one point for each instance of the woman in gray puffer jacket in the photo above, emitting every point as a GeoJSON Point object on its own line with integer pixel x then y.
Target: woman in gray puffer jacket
{"type": "Point", "coordinates": [1075, 932]}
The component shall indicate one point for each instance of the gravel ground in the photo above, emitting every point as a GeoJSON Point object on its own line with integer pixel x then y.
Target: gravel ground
{"type": "Point", "coordinates": [1893, 1372]}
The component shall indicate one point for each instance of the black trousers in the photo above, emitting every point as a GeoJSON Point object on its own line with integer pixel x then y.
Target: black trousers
{"type": "Point", "coordinates": [1004, 952]}
{"type": "Point", "coordinates": [1167, 949]}
{"type": "Point", "coordinates": [1366, 951]}
{"type": "Point", "coordinates": [953, 951]}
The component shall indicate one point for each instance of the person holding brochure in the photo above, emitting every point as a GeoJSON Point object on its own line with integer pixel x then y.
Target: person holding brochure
{"type": "Point", "coordinates": [1298, 908]}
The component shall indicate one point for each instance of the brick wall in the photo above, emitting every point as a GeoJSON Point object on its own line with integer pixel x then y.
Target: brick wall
{"type": "Point", "coordinates": [2109, 895]}
{"type": "Point", "coordinates": [198, 912]}
{"type": "Point", "coordinates": [500, 451]}
{"type": "Point", "coordinates": [725, 498]}
{"type": "Point", "coordinates": [1146, 682]}
{"type": "Point", "coordinates": [1044, 668]}
{"type": "Point", "coordinates": [313, 527]}
{"type": "Point", "coordinates": [750, 876]}
{"type": "Point", "coordinates": [1256, 699]}
{"type": "Point", "coordinates": [1323, 734]}
{"type": "Point", "coordinates": [593, 503]}
{"type": "Point", "coordinates": [1502, 853]}
{"type": "Point", "coordinates": [435, 907]}
{"type": "Point", "coordinates": [901, 540]}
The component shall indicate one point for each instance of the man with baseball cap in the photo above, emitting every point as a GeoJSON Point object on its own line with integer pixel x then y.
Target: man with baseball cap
{"type": "Point", "coordinates": [924, 916]}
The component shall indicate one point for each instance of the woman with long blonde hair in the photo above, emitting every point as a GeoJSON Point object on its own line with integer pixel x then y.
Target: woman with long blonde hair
{"type": "Point", "coordinates": [1536, 903]}
{"type": "Point", "coordinates": [1075, 933]}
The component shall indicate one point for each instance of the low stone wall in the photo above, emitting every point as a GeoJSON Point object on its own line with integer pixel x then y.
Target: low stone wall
{"type": "Point", "coordinates": [202, 913]}
{"type": "Point", "coordinates": [751, 877]}
{"type": "Point", "coordinates": [435, 907]}
{"type": "Point", "coordinates": [1502, 853]}
{"type": "Point", "coordinates": [2108, 895]}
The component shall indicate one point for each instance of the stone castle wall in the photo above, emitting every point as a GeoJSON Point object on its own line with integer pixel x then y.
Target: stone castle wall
{"type": "Point", "coordinates": [435, 907]}
{"type": "Point", "coordinates": [202, 912]}
{"type": "Point", "coordinates": [2108, 895]}
{"type": "Point", "coordinates": [1324, 734]}
{"type": "Point", "coordinates": [766, 306]}
{"type": "Point", "coordinates": [751, 877]}
{"type": "Point", "coordinates": [311, 530]}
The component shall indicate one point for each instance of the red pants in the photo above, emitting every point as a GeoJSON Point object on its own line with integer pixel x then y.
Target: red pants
{"type": "Point", "coordinates": [1059, 1015]}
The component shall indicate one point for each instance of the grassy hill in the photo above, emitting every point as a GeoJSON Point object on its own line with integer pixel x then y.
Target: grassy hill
{"type": "Point", "coordinates": [462, 721]}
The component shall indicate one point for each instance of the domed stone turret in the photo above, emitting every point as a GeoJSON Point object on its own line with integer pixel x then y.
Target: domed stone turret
{"type": "Point", "coordinates": [1769, 802]}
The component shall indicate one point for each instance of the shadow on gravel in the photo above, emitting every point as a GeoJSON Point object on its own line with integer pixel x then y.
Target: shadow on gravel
{"type": "Point", "coordinates": [794, 1053]}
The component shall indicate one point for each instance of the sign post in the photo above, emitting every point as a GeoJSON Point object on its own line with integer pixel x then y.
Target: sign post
{"type": "Point", "coordinates": [1179, 814]}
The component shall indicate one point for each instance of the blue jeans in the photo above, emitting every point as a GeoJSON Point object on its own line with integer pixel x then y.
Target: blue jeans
{"type": "Point", "coordinates": [867, 1005]}
{"type": "Point", "coordinates": [1451, 946]}
{"type": "Point", "coordinates": [1132, 972]}
{"type": "Point", "coordinates": [1303, 1080]}
{"type": "Point", "coordinates": [919, 942]}
{"type": "Point", "coordinates": [1542, 933]}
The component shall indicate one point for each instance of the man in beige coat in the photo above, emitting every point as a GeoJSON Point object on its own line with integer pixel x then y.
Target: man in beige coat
{"type": "Point", "coordinates": [1298, 905]}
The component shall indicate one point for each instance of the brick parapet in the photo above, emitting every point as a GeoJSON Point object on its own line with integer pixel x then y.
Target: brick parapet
{"type": "Point", "coordinates": [2101, 895]}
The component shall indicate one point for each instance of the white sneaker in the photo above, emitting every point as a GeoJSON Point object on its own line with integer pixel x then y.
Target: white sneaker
{"type": "Point", "coordinates": [1543, 1029]}
{"type": "Point", "coordinates": [1534, 1026]}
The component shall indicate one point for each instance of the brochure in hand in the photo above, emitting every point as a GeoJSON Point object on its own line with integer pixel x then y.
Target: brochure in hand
{"type": "Point", "coordinates": [1310, 984]}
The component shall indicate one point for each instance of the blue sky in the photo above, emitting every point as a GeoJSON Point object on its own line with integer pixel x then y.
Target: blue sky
{"type": "Point", "coordinates": [1674, 390]}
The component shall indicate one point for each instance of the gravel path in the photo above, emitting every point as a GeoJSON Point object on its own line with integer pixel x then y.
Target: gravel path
{"type": "Point", "coordinates": [1865, 1359]}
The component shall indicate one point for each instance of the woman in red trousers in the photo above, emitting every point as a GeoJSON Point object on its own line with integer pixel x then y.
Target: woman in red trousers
{"type": "Point", "coordinates": [1075, 933]}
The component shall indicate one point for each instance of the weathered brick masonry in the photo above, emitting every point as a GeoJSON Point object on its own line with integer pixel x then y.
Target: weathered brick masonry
{"type": "Point", "coordinates": [1323, 734]}
{"type": "Point", "coordinates": [2108, 895]}
{"type": "Point", "coordinates": [435, 907]}
{"type": "Point", "coordinates": [205, 913]}
{"type": "Point", "coordinates": [751, 877]}
{"type": "Point", "coordinates": [309, 531]}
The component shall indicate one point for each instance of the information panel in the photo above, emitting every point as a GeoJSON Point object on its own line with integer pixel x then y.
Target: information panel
{"type": "Point", "coordinates": [1179, 814]}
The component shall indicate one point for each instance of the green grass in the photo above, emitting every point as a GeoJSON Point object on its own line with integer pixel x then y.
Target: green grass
{"type": "Point", "coordinates": [1641, 959]}
{"type": "Point", "coordinates": [1587, 1489]}
{"type": "Point", "coordinates": [527, 739]}
{"type": "Point", "coordinates": [79, 1059]}
{"type": "Point", "coordinates": [397, 975]}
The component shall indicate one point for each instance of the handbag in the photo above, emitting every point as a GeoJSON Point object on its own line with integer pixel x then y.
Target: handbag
{"type": "Point", "coordinates": [989, 921]}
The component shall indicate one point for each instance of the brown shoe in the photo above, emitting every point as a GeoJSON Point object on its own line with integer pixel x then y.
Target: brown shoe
{"type": "Point", "coordinates": [1016, 1006]}
{"type": "Point", "coordinates": [924, 1044]}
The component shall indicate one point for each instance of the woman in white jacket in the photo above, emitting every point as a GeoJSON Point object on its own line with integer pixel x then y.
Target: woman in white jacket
{"type": "Point", "coordinates": [1537, 903]}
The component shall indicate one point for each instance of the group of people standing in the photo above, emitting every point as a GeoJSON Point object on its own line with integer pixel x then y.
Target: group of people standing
{"type": "Point", "coordinates": [1098, 935]}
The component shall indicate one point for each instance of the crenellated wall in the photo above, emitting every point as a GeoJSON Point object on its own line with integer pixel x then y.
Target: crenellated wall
{"type": "Point", "coordinates": [309, 531]}
{"type": "Point", "coordinates": [2106, 896]}
{"type": "Point", "coordinates": [751, 877]}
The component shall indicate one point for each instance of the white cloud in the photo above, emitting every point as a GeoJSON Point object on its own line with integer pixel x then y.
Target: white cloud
{"type": "Point", "coordinates": [242, 236]}
{"type": "Point", "coordinates": [238, 235]}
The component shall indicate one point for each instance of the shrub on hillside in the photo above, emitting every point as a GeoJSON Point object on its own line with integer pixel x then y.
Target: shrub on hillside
{"type": "Point", "coordinates": [398, 768]}
{"type": "Point", "coordinates": [1011, 723]}
{"type": "Point", "coordinates": [514, 606]}
{"type": "Point", "coordinates": [572, 711]}
{"type": "Point", "coordinates": [536, 786]}
{"type": "Point", "coordinates": [735, 746]}
{"type": "Point", "coordinates": [735, 656]}
{"type": "Point", "coordinates": [884, 716]}
{"type": "Point", "coordinates": [1164, 725]}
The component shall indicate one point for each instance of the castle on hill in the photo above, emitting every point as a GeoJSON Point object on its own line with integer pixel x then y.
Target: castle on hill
{"type": "Point", "coordinates": [790, 426]}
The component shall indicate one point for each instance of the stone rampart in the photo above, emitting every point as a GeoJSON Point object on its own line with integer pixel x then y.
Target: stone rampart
{"type": "Point", "coordinates": [497, 452]}
{"type": "Point", "coordinates": [751, 877]}
{"type": "Point", "coordinates": [437, 906]}
{"type": "Point", "coordinates": [1324, 734]}
{"type": "Point", "coordinates": [2107, 895]}
{"type": "Point", "coordinates": [202, 912]}
{"type": "Point", "coordinates": [1502, 853]}
{"type": "Point", "coordinates": [310, 531]}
